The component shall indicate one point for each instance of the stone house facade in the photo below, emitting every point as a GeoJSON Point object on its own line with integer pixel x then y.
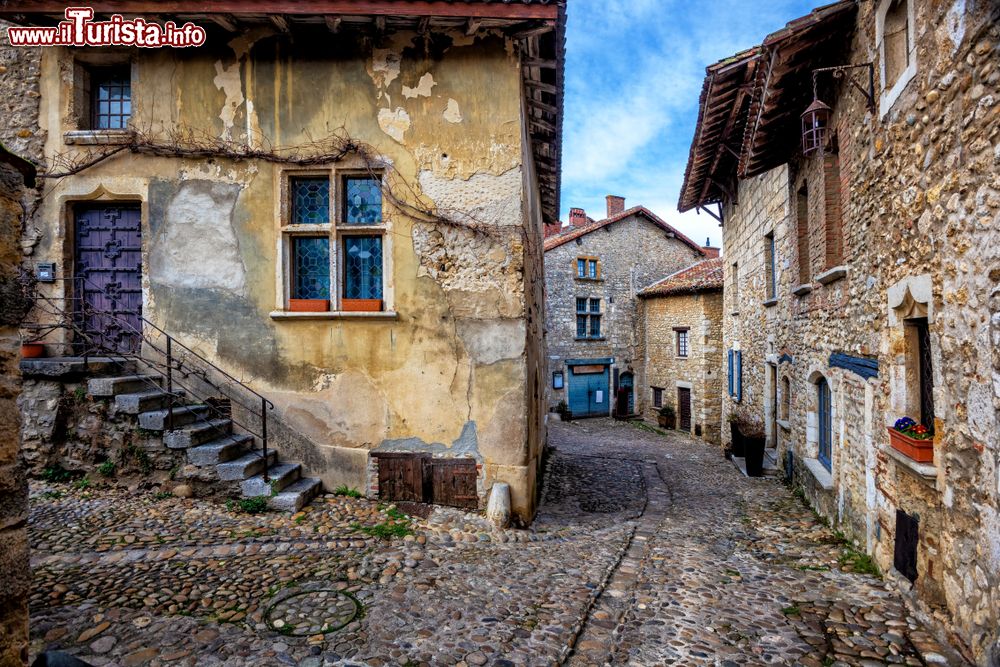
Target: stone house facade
{"type": "Point", "coordinates": [16, 177]}
{"type": "Point", "coordinates": [680, 335]}
{"type": "Point", "coordinates": [861, 281]}
{"type": "Point", "coordinates": [341, 211]}
{"type": "Point", "coordinates": [593, 270]}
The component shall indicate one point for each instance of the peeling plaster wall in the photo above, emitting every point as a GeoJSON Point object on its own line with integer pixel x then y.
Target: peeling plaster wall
{"type": "Point", "coordinates": [460, 350]}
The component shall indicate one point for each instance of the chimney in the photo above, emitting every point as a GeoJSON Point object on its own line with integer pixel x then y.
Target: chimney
{"type": "Point", "coordinates": [615, 205]}
{"type": "Point", "coordinates": [577, 217]}
{"type": "Point", "coordinates": [710, 252]}
{"type": "Point", "coordinates": [551, 229]}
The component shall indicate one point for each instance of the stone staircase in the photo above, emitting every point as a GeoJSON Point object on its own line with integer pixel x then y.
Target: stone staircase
{"type": "Point", "coordinates": [209, 442]}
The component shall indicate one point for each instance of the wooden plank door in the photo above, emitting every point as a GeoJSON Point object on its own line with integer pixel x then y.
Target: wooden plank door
{"type": "Point", "coordinates": [108, 269]}
{"type": "Point", "coordinates": [454, 483]}
{"type": "Point", "coordinates": [401, 477]}
{"type": "Point", "coordinates": [684, 407]}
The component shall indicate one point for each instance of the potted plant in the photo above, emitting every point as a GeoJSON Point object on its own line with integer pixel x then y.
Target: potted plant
{"type": "Point", "coordinates": [564, 412]}
{"type": "Point", "coordinates": [32, 349]}
{"type": "Point", "coordinates": [912, 439]}
{"type": "Point", "coordinates": [666, 417]}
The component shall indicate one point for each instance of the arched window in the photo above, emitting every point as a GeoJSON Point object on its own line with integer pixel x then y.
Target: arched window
{"type": "Point", "coordinates": [825, 425]}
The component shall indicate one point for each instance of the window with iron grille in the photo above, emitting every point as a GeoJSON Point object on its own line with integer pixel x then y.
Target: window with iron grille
{"type": "Point", "coordinates": [334, 253]}
{"type": "Point", "coordinates": [588, 317]}
{"type": "Point", "coordinates": [657, 397]}
{"type": "Point", "coordinates": [110, 97]}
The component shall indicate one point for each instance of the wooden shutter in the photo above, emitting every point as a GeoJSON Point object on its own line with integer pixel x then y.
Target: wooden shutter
{"type": "Point", "coordinates": [454, 483]}
{"type": "Point", "coordinates": [729, 371]}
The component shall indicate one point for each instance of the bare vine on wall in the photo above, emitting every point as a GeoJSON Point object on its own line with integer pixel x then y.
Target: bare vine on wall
{"type": "Point", "coordinates": [338, 146]}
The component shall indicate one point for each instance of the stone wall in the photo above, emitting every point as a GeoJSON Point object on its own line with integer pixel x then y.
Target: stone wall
{"type": "Point", "coordinates": [15, 581]}
{"type": "Point", "coordinates": [920, 199]}
{"type": "Point", "coordinates": [19, 95]}
{"type": "Point", "coordinates": [700, 371]}
{"type": "Point", "coordinates": [633, 254]}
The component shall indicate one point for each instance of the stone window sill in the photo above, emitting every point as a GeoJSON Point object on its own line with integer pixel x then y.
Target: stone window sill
{"type": "Point", "coordinates": [585, 339]}
{"type": "Point", "coordinates": [97, 137]}
{"type": "Point", "coordinates": [590, 280]}
{"type": "Point", "coordinates": [802, 290]}
{"type": "Point", "coordinates": [785, 424]}
{"type": "Point", "coordinates": [924, 471]}
{"type": "Point", "coordinates": [831, 275]}
{"type": "Point", "coordinates": [771, 302]}
{"type": "Point", "coordinates": [823, 476]}
{"type": "Point", "coordinates": [335, 315]}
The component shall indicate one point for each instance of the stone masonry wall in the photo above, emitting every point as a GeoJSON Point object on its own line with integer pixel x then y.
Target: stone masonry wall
{"type": "Point", "coordinates": [920, 198]}
{"type": "Point", "coordinates": [19, 94]}
{"type": "Point", "coordinates": [700, 371]}
{"type": "Point", "coordinates": [15, 580]}
{"type": "Point", "coordinates": [634, 253]}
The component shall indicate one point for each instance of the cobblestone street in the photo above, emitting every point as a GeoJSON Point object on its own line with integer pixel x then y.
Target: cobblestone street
{"type": "Point", "coordinates": [649, 549]}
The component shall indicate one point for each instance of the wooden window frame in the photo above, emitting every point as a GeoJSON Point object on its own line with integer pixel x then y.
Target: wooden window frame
{"type": "Point", "coordinates": [337, 230]}
{"type": "Point", "coordinates": [657, 397]}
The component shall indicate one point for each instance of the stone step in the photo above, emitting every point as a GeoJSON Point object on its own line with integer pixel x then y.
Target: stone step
{"type": "Point", "coordinates": [123, 384]}
{"type": "Point", "coordinates": [281, 475]}
{"type": "Point", "coordinates": [248, 465]}
{"type": "Point", "coordinates": [156, 420]}
{"type": "Point", "coordinates": [219, 451]}
{"type": "Point", "coordinates": [295, 496]}
{"type": "Point", "coordinates": [197, 434]}
{"type": "Point", "coordinates": [145, 401]}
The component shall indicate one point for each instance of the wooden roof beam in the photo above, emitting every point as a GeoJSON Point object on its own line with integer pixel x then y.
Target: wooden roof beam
{"type": "Point", "coordinates": [227, 22]}
{"type": "Point", "coordinates": [280, 22]}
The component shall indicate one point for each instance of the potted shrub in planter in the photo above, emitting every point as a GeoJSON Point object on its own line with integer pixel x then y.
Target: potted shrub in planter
{"type": "Point", "coordinates": [912, 439]}
{"type": "Point", "coordinates": [666, 417]}
{"type": "Point", "coordinates": [753, 445]}
{"type": "Point", "coordinates": [564, 412]}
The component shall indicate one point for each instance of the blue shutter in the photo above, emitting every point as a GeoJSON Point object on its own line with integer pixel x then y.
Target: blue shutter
{"type": "Point", "coordinates": [729, 370]}
{"type": "Point", "coordinates": [739, 375]}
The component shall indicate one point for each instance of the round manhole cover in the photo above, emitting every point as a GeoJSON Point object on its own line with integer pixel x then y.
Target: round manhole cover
{"type": "Point", "coordinates": [315, 612]}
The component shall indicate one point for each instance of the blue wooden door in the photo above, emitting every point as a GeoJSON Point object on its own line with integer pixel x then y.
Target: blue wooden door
{"type": "Point", "coordinates": [588, 392]}
{"type": "Point", "coordinates": [825, 424]}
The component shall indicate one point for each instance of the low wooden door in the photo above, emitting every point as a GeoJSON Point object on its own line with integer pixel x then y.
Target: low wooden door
{"type": "Point", "coordinates": [419, 478]}
{"type": "Point", "coordinates": [454, 483]}
{"type": "Point", "coordinates": [684, 408]}
{"type": "Point", "coordinates": [401, 477]}
{"type": "Point", "coordinates": [108, 272]}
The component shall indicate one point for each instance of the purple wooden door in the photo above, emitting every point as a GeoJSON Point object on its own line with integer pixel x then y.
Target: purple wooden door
{"type": "Point", "coordinates": [109, 277]}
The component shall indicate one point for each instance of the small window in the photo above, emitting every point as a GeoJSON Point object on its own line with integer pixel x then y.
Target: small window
{"type": "Point", "coordinates": [657, 397]}
{"type": "Point", "coordinates": [682, 342]}
{"type": "Point", "coordinates": [557, 380]}
{"type": "Point", "coordinates": [920, 368]}
{"type": "Point", "coordinates": [362, 267]}
{"type": "Point", "coordinates": [786, 398]}
{"type": "Point", "coordinates": [588, 268]}
{"type": "Point", "coordinates": [310, 267]}
{"type": "Point", "coordinates": [310, 201]}
{"type": "Point", "coordinates": [110, 97]}
{"type": "Point", "coordinates": [825, 423]}
{"type": "Point", "coordinates": [770, 267]}
{"type": "Point", "coordinates": [595, 326]}
{"type": "Point", "coordinates": [736, 286]}
{"type": "Point", "coordinates": [595, 305]}
{"type": "Point", "coordinates": [362, 201]}
{"type": "Point", "coordinates": [895, 42]}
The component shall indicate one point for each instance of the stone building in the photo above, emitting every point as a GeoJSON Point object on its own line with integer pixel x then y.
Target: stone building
{"type": "Point", "coordinates": [593, 270]}
{"type": "Point", "coordinates": [340, 213]}
{"type": "Point", "coordinates": [16, 174]}
{"type": "Point", "coordinates": [862, 267]}
{"type": "Point", "coordinates": [680, 336]}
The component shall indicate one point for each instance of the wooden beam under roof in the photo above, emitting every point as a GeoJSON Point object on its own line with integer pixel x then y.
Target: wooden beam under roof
{"type": "Point", "coordinates": [498, 10]}
{"type": "Point", "coordinates": [227, 22]}
{"type": "Point", "coordinates": [332, 23]}
{"type": "Point", "coordinates": [280, 22]}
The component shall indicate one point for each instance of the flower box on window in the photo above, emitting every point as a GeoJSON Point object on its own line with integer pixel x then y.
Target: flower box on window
{"type": "Point", "coordinates": [361, 305]}
{"type": "Point", "coordinates": [308, 305]}
{"type": "Point", "coordinates": [912, 440]}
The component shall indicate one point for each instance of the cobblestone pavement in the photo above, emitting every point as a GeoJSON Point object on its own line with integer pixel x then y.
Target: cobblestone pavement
{"type": "Point", "coordinates": [648, 550]}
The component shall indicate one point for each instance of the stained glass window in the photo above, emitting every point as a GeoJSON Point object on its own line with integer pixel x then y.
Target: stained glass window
{"type": "Point", "coordinates": [310, 201]}
{"type": "Point", "coordinates": [111, 98]}
{"type": "Point", "coordinates": [311, 259]}
{"type": "Point", "coordinates": [363, 267]}
{"type": "Point", "coordinates": [362, 201]}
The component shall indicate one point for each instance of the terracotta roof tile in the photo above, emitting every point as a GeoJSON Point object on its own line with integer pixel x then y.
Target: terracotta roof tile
{"type": "Point", "coordinates": [577, 232]}
{"type": "Point", "coordinates": [705, 276]}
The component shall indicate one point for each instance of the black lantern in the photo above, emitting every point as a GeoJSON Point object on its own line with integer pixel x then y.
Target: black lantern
{"type": "Point", "coordinates": [815, 127]}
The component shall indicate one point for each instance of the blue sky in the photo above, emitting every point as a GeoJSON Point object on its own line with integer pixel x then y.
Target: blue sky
{"type": "Point", "coordinates": [634, 71]}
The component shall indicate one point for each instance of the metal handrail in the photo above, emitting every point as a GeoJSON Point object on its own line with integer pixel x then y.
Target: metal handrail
{"type": "Point", "coordinates": [72, 321]}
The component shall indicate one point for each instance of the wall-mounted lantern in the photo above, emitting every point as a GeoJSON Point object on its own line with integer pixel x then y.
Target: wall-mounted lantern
{"type": "Point", "coordinates": [816, 117]}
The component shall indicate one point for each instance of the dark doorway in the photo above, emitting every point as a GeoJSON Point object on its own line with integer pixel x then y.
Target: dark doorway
{"type": "Point", "coordinates": [108, 278]}
{"type": "Point", "coordinates": [684, 408]}
{"type": "Point", "coordinates": [904, 557]}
